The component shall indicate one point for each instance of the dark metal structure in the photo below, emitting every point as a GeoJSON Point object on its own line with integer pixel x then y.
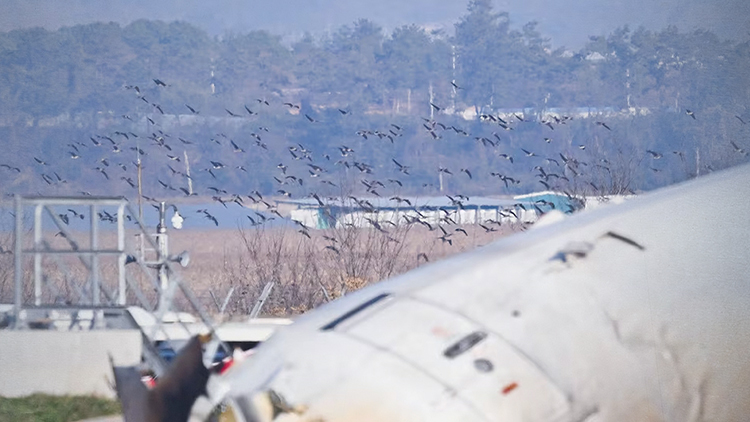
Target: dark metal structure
{"type": "Point", "coordinates": [95, 298]}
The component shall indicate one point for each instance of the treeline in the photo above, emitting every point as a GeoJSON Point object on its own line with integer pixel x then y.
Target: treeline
{"type": "Point", "coordinates": [83, 68]}
{"type": "Point", "coordinates": [86, 74]}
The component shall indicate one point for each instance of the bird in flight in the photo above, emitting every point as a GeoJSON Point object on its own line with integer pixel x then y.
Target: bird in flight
{"type": "Point", "coordinates": [487, 229]}
{"type": "Point", "coordinates": [101, 170]}
{"type": "Point", "coordinates": [655, 155]}
{"type": "Point", "coordinates": [690, 113]}
{"type": "Point", "coordinates": [210, 217]}
{"type": "Point", "coordinates": [737, 149]}
{"type": "Point", "coordinates": [332, 248]}
{"type": "Point", "coordinates": [402, 169]}
{"type": "Point", "coordinates": [507, 157]}
{"type": "Point", "coordinates": [16, 169]}
{"type": "Point", "coordinates": [444, 170]}
{"type": "Point", "coordinates": [235, 147]}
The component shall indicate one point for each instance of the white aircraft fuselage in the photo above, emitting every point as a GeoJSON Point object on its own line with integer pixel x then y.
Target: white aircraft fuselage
{"type": "Point", "coordinates": [634, 312]}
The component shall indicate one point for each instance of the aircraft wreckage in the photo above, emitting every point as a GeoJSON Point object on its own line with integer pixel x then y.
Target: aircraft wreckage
{"type": "Point", "coordinates": [633, 312]}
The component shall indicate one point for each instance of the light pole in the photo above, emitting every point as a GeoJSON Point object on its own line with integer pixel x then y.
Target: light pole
{"type": "Point", "coordinates": [162, 242]}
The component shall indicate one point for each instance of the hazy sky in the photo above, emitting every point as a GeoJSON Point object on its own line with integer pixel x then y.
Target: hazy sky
{"type": "Point", "coordinates": [567, 23]}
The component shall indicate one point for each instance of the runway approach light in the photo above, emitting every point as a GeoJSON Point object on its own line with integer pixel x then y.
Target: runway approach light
{"type": "Point", "coordinates": [177, 220]}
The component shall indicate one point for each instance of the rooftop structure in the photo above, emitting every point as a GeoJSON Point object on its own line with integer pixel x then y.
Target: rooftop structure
{"type": "Point", "coordinates": [323, 213]}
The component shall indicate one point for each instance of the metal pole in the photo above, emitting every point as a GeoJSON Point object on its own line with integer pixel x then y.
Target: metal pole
{"type": "Point", "coordinates": [187, 172]}
{"type": "Point", "coordinates": [261, 300]}
{"type": "Point", "coordinates": [440, 179]}
{"type": "Point", "coordinates": [161, 234]}
{"type": "Point", "coordinates": [19, 262]}
{"type": "Point", "coordinates": [432, 109]}
{"type": "Point", "coordinates": [697, 162]}
{"type": "Point", "coordinates": [139, 174]}
{"type": "Point", "coordinates": [453, 64]}
{"type": "Point", "coordinates": [121, 293]}
{"type": "Point", "coordinates": [94, 256]}
{"type": "Point", "coordinates": [37, 255]}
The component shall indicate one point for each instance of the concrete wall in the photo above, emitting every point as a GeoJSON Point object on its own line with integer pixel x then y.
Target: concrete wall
{"type": "Point", "coordinates": [64, 363]}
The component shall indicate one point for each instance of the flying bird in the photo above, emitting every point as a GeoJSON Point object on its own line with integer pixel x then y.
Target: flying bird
{"type": "Point", "coordinates": [235, 147]}
{"type": "Point", "coordinates": [487, 229]}
{"type": "Point", "coordinates": [507, 157]}
{"type": "Point", "coordinates": [401, 168]}
{"type": "Point", "coordinates": [655, 155]}
{"type": "Point", "coordinates": [444, 170]}
{"type": "Point", "coordinates": [16, 169]}
{"type": "Point", "coordinates": [211, 217]}
{"type": "Point", "coordinates": [737, 149]}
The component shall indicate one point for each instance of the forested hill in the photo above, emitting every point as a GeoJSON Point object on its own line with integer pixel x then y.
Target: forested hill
{"type": "Point", "coordinates": [633, 110]}
{"type": "Point", "coordinates": [568, 23]}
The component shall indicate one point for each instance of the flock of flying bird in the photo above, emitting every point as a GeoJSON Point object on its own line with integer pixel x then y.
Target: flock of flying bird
{"type": "Point", "coordinates": [310, 172]}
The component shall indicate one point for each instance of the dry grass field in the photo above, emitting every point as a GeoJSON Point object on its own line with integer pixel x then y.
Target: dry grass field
{"type": "Point", "coordinates": [307, 267]}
